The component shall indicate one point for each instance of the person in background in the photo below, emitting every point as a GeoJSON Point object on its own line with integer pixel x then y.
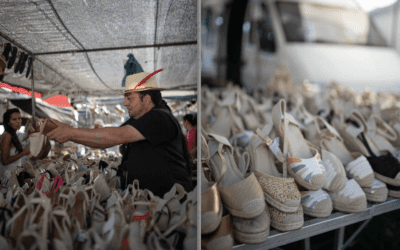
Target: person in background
{"type": "Point", "coordinates": [190, 124]}
{"type": "Point", "coordinates": [11, 148]}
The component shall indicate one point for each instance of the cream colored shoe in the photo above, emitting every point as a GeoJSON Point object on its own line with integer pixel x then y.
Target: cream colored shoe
{"type": "Point", "coordinates": [252, 231]}
{"type": "Point", "coordinates": [316, 203]}
{"type": "Point", "coordinates": [242, 195]}
{"type": "Point", "coordinates": [351, 199]}
{"type": "Point", "coordinates": [378, 192]}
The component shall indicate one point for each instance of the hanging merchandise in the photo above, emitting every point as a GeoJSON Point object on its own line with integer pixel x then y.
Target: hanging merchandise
{"type": "Point", "coordinates": [12, 58]}
{"type": "Point", "coordinates": [132, 66]}
{"type": "Point", "coordinates": [28, 71]}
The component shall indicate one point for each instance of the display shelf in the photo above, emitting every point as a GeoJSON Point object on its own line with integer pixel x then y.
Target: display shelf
{"type": "Point", "coordinates": [315, 226]}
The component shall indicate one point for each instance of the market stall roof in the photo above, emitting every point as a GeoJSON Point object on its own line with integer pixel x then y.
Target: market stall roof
{"type": "Point", "coordinates": [42, 110]}
{"type": "Point", "coordinates": [81, 45]}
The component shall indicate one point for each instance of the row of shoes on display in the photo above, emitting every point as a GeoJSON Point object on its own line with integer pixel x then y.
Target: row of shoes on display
{"type": "Point", "coordinates": [267, 165]}
{"type": "Point", "coordinates": [69, 203]}
{"type": "Point", "coordinates": [12, 58]}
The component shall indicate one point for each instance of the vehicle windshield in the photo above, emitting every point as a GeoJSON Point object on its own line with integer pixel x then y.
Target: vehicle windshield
{"type": "Point", "coordinates": [319, 23]}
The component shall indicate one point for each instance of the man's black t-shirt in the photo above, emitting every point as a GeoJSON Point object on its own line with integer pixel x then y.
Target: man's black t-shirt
{"type": "Point", "coordinates": [158, 161]}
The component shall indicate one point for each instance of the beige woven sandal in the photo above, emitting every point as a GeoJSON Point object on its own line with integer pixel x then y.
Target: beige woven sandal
{"type": "Point", "coordinates": [356, 165]}
{"type": "Point", "coordinates": [304, 163]}
{"type": "Point", "coordinates": [286, 221]}
{"type": "Point", "coordinates": [316, 203]}
{"type": "Point", "coordinates": [351, 199]}
{"type": "Point", "coordinates": [279, 192]}
{"type": "Point", "coordinates": [377, 192]}
{"type": "Point", "coordinates": [242, 195]}
{"type": "Point", "coordinates": [252, 231]}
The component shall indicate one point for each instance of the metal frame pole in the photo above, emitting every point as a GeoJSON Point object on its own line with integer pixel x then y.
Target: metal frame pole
{"type": "Point", "coordinates": [33, 89]}
{"type": "Point", "coordinates": [356, 233]}
{"type": "Point", "coordinates": [395, 23]}
{"type": "Point", "coordinates": [339, 238]}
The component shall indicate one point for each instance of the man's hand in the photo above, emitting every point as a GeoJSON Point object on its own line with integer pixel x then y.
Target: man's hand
{"type": "Point", "coordinates": [63, 133]}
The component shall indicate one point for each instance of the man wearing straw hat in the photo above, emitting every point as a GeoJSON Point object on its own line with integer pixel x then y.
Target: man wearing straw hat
{"type": "Point", "coordinates": [155, 149]}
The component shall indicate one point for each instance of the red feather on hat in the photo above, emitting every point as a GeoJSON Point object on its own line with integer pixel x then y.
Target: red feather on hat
{"type": "Point", "coordinates": [147, 78]}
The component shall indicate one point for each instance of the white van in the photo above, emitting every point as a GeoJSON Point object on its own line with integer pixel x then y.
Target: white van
{"type": "Point", "coordinates": [318, 40]}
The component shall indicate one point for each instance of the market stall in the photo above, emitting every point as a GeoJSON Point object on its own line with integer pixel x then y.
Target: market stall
{"type": "Point", "coordinates": [79, 49]}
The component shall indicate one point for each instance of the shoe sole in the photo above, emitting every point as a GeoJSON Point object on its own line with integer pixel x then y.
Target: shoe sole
{"type": "Point", "coordinates": [387, 180]}
{"type": "Point", "coordinates": [375, 198]}
{"type": "Point", "coordinates": [394, 194]}
{"type": "Point", "coordinates": [258, 209]}
{"type": "Point", "coordinates": [303, 182]}
{"type": "Point", "coordinates": [321, 214]}
{"type": "Point", "coordinates": [358, 209]}
{"type": "Point", "coordinates": [251, 238]}
{"type": "Point", "coordinates": [367, 181]}
{"type": "Point", "coordinates": [287, 227]}
{"type": "Point", "coordinates": [279, 205]}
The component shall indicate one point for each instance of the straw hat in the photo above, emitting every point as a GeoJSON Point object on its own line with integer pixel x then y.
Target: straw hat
{"type": "Point", "coordinates": [142, 82]}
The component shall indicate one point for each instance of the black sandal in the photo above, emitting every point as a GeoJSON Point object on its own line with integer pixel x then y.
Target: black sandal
{"type": "Point", "coordinates": [11, 60]}
{"type": "Point", "coordinates": [7, 50]}
{"type": "Point", "coordinates": [21, 70]}
{"type": "Point", "coordinates": [17, 66]}
{"type": "Point", "coordinates": [386, 167]}
{"type": "Point", "coordinates": [28, 71]}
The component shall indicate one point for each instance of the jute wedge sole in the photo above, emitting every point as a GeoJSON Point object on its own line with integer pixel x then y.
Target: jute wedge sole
{"type": "Point", "coordinates": [378, 192]}
{"type": "Point", "coordinates": [251, 238]}
{"type": "Point", "coordinates": [252, 231]}
{"type": "Point", "coordinates": [272, 202]}
{"type": "Point", "coordinates": [353, 209]}
{"type": "Point", "coordinates": [317, 183]}
{"type": "Point", "coordinates": [286, 221]}
{"type": "Point", "coordinates": [376, 198]}
{"type": "Point", "coordinates": [284, 227]}
{"type": "Point", "coordinates": [316, 203]}
{"type": "Point", "coordinates": [322, 214]}
{"type": "Point", "coordinates": [387, 180]}
{"type": "Point", "coordinates": [394, 194]}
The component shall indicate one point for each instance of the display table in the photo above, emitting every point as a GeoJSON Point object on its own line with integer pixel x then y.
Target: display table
{"type": "Point", "coordinates": [315, 226]}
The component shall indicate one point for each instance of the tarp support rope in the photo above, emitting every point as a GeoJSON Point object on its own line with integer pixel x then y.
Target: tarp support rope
{"type": "Point", "coordinates": [86, 55]}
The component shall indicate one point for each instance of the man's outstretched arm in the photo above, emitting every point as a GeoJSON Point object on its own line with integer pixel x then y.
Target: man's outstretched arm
{"type": "Point", "coordinates": [95, 138]}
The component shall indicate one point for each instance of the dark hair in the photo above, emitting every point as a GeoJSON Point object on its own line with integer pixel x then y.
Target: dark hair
{"type": "Point", "coordinates": [7, 128]}
{"type": "Point", "coordinates": [192, 119]}
{"type": "Point", "coordinates": [156, 98]}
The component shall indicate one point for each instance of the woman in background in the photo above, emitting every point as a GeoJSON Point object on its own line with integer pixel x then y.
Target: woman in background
{"type": "Point", "coordinates": [11, 149]}
{"type": "Point", "coordinates": [190, 124]}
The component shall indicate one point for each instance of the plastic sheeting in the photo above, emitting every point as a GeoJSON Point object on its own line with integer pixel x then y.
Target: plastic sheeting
{"type": "Point", "coordinates": [112, 27]}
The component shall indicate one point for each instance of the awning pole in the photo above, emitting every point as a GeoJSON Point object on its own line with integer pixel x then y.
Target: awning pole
{"type": "Point", "coordinates": [395, 23]}
{"type": "Point", "coordinates": [33, 89]}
